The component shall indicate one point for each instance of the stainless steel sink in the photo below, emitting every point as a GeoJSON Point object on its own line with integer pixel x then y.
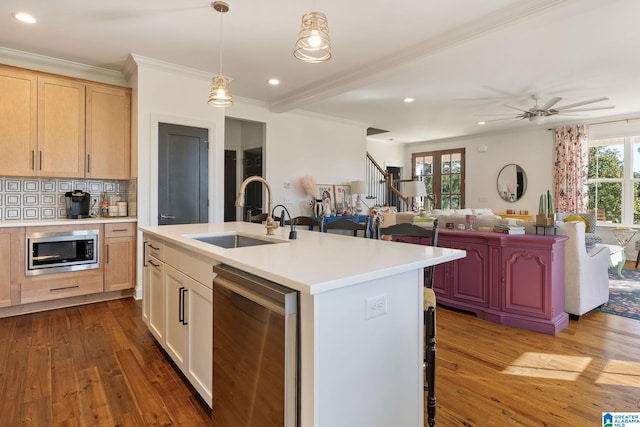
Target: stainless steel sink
{"type": "Point", "coordinates": [230, 241]}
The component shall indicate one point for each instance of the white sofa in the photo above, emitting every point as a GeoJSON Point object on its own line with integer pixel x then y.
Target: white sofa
{"type": "Point", "coordinates": [586, 278]}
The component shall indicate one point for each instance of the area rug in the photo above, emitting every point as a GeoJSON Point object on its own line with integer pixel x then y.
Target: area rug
{"type": "Point", "coordinates": [624, 294]}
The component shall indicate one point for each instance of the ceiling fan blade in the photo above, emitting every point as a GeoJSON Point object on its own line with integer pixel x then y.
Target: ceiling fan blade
{"type": "Point", "coordinates": [516, 108]}
{"type": "Point", "coordinates": [505, 118]}
{"type": "Point", "coordinates": [577, 110]}
{"type": "Point", "coordinates": [553, 101]}
{"type": "Point", "coordinates": [578, 104]}
{"type": "Point", "coordinates": [503, 114]}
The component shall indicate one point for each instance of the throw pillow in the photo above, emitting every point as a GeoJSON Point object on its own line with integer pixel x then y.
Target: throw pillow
{"type": "Point", "coordinates": [572, 218]}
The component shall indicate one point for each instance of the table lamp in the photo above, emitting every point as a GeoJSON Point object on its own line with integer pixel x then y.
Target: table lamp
{"type": "Point", "coordinates": [358, 187]}
{"type": "Point", "coordinates": [414, 189]}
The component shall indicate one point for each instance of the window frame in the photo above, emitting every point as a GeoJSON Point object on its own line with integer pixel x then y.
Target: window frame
{"type": "Point", "coordinates": [437, 173]}
{"type": "Point", "coordinates": [627, 181]}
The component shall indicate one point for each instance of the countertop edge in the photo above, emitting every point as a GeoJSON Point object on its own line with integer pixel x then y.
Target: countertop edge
{"type": "Point", "coordinates": [429, 256]}
{"type": "Point", "coordinates": [63, 221]}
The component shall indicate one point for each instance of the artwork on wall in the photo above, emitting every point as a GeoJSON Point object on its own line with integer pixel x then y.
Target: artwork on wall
{"type": "Point", "coordinates": [325, 193]}
{"type": "Point", "coordinates": [343, 197]}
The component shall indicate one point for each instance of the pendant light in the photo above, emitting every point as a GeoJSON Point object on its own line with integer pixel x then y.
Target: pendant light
{"type": "Point", "coordinates": [220, 95]}
{"type": "Point", "coordinates": [313, 40]}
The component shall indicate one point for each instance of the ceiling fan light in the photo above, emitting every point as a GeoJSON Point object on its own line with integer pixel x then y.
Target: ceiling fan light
{"type": "Point", "coordinates": [220, 94]}
{"type": "Point", "coordinates": [538, 119]}
{"type": "Point", "coordinates": [313, 43]}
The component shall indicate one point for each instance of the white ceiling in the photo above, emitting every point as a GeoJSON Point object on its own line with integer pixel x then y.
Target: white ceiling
{"type": "Point", "coordinates": [462, 60]}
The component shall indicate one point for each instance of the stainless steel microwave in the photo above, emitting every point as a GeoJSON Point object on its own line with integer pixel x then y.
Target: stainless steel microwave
{"type": "Point", "coordinates": [58, 252]}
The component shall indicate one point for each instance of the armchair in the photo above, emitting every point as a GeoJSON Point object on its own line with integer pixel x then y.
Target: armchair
{"type": "Point", "coordinates": [586, 278]}
{"type": "Point", "coordinates": [590, 236]}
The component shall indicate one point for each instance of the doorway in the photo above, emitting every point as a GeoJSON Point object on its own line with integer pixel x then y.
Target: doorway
{"type": "Point", "coordinates": [253, 194]}
{"type": "Point", "coordinates": [183, 169]}
{"type": "Point", "coordinates": [247, 140]}
{"type": "Point", "coordinates": [230, 185]}
{"type": "Point", "coordinates": [394, 200]}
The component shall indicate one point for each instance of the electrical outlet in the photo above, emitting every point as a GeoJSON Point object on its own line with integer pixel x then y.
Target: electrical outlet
{"type": "Point", "coordinates": [376, 306]}
{"type": "Point", "coordinates": [94, 201]}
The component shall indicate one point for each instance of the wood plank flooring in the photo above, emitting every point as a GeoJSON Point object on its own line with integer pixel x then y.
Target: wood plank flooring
{"type": "Point", "coordinates": [91, 365]}
{"type": "Point", "coordinates": [97, 365]}
{"type": "Point", "coordinates": [491, 375]}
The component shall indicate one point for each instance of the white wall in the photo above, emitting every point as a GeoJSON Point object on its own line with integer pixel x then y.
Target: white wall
{"type": "Point", "coordinates": [296, 144]}
{"type": "Point", "coordinates": [387, 153]}
{"type": "Point", "coordinates": [332, 151]}
{"type": "Point", "coordinates": [531, 149]}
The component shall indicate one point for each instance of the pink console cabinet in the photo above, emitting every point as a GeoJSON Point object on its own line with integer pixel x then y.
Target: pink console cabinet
{"type": "Point", "coordinates": [515, 280]}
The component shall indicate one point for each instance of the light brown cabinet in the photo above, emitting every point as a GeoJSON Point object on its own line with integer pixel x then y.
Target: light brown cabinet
{"type": "Point", "coordinates": [18, 121]}
{"type": "Point", "coordinates": [11, 265]}
{"type": "Point", "coordinates": [61, 117]}
{"type": "Point", "coordinates": [120, 249]}
{"type": "Point", "coordinates": [108, 133]}
{"type": "Point", "coordinates": [61, 285]}
{"type": "Point", "coordinates": [59, 127]}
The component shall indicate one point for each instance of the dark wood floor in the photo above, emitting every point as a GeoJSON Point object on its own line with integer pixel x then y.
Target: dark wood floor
{"type": "Point", "coordinates": [92, 365]}
{"type": "Point", "coordinates": [98, 365]}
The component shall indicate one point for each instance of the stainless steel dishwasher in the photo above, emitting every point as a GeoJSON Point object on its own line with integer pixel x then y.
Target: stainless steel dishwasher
{"type": "Point", "coordinates": [255, 351]}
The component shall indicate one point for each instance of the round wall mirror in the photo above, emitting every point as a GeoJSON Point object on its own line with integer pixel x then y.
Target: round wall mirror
{"type": "Point", "coordinates": [512, 182]}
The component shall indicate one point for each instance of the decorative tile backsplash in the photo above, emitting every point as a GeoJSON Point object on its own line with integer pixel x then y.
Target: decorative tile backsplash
{"type": "Point", "coordinates": [34, 198]}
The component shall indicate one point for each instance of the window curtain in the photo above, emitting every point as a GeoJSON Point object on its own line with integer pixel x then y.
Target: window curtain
{"type": "Point", "coordinates": [570, 168]}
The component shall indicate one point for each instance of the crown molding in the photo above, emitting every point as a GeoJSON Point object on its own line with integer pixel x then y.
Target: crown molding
{"type": "Point", "coordinates": [156, 64]}
{"type": "Point", "coordinates": [382, 68]}
{"type": "Point", "coordinates": [49, 64]}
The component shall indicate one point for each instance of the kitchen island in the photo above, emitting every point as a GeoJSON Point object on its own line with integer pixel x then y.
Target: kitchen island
{"type": "Point", "coordinates": [360, 313]}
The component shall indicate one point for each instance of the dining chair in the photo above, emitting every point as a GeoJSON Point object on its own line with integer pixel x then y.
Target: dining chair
{"type": "Point", "coordinates": [411, 233]}
{"type": "Point", "coordinates": [348, 224]}
{"type": "Point", "coordinates": [308, 221]}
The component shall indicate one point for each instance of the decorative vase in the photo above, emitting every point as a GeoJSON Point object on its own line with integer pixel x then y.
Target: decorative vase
{"type": "Point", "coordinates": [317, 208]}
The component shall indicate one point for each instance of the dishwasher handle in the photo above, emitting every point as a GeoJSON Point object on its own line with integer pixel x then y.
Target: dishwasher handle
{"type": "Point", "coordinates": [248, 294]}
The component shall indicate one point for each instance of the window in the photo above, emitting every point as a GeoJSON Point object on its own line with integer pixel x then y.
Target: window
{"type": "Point", "coordinates": [443, 175]}
{"type": "Point", "coordinates": [613, 178]}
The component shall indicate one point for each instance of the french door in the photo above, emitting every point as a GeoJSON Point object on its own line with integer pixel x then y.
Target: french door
{"type": "Point", "coordinates": [443, 175]}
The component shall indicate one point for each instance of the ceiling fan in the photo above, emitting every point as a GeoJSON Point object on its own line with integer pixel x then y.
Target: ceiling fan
{"type": "Point", "coordinates": [537, 114]}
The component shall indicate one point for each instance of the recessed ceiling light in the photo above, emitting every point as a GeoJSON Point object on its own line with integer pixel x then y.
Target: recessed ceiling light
{"type": "Point", "coordinates": [24, 17]}
{"type": "Point", "coordinates": [482, 123]}
{"type": "Point", "coordinates": [274, 82]}
{"type": "Point", "coordinates": [407, 100]}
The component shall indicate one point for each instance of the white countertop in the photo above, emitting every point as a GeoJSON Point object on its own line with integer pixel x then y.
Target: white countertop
{"type": "Point", "coordinates": [315, 262]}
{"type": "Point", "coordinates": [64, 221]}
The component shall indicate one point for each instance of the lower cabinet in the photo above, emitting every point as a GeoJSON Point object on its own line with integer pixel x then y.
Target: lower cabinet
{"type": "Point", "coordinates": [189, 332]}
{"type": "Point", "coordinates": [120, 248]}
{"type": "Point", "coordinates": [153, 294]}
{"type": "Point", "coordinates": [11, 265]}
{"type": "Point", "coordinates": [178, 309]}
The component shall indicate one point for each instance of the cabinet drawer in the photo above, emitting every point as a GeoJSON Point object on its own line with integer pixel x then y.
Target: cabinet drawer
{"type": "Point", "coordinates": [120, 229]}
{"type": "Point", "coordinates": [154, 248]}
{"type": "Point", "coordinates": [50, 287]}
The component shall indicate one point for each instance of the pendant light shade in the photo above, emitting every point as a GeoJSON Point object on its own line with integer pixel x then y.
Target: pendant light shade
{"type": "Point", "coordinates": [220, 94]}
{"type": "Point", "coordinates": [313, 41]}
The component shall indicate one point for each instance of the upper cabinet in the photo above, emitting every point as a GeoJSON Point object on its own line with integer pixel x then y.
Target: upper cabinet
{"type": "Point", "coordinates": [61, 127]}
{"type": "Point", "coordinates": [108, 133]}
{"type": "Point", "coordinates": [18, 122]}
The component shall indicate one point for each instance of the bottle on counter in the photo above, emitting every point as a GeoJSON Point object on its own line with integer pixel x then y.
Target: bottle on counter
{"type": "Point", "coordinates": [104, 206]}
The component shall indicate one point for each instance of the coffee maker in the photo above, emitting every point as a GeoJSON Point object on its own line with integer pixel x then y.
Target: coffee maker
{"type": "Point", "coordinates": [78, 204]}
